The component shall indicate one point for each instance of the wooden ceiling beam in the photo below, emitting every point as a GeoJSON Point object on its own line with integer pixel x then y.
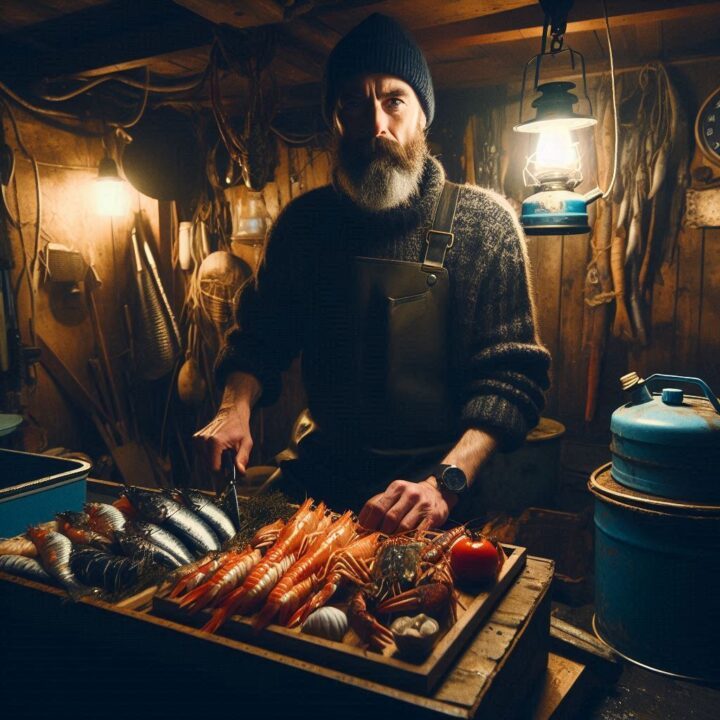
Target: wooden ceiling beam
{"type": "Point", "coordinates": [178, 57]}
{"type": "Point", "coordinates": [118, 35]}
{"type": "Point", "coordinates": [237, 13]}
{"type": "Point", "coordinates": [585, 16]}
{"type": "Point", "coordinates": [416, 14]}
{"type": "Point", "coordinates": [475, 73]}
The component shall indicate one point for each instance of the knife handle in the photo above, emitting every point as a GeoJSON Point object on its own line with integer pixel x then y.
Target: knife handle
{"type": "Point", "coordinates": [227, 463]}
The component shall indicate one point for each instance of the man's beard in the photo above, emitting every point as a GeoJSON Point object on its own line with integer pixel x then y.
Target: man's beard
{"type": "Point", "coordinates": [379, 174]}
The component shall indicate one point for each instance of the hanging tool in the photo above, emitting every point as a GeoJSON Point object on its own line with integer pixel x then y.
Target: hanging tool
{"type": "Point", "coordinates": [161, 291]}
{"type": "Point", "coordinates": [156, 348]}
{"type": "Point", "coordinates": [92, 282]}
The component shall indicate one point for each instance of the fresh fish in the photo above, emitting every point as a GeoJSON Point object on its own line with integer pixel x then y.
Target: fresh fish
{"type": "Point", "coordinates": [139, 547]}
{"type": "Point", "coordinates": [54, 550]}
{"type": "Point", "coordinates": [76, 526]}
{"type": "Point", "coordinates": [207, 510]}
{"type": "Point", "coordinates": [24, 567]}
{"type": "Point", "coordinates": [19, 545]}
{"type": "Point", "coordinates": [101, 569]}
{"type": "Point", "coordinates": [105, 519]}
{"type": "Point", "coordinates": [160, 537]}
{"type": "Point", "coordinates": [164, 511]}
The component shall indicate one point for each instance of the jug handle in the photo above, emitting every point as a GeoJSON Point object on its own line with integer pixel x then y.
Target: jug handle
{"type": "Point", "coordinates": [691, 381]}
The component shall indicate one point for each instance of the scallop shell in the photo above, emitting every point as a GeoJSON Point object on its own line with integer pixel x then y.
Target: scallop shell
{"type": "Point", "coordinates": [330, 623]}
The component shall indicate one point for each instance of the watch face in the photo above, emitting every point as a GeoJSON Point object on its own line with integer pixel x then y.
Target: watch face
{"type": "Point", "coordinates": [707, 127]}
{"type": "Point", "coordinates": [454, 479]}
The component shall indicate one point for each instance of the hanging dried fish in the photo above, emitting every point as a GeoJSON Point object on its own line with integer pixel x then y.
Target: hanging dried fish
{"type": "Point", "coordinates": [653, 177]}
{"type": "Point", "coordinates": [622, 327]}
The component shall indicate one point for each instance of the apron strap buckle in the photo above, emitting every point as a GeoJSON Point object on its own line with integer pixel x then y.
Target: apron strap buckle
{"type": "Point", "coordinates": [440, 237]}
{"type": "Point", "coordinates": [438, 243]}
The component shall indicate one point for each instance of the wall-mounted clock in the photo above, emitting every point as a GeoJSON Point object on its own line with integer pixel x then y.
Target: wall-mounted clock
{"type": "Point", "coordinates": [707, 128]}
{"type": "Point", "coordinates": [702, 200]}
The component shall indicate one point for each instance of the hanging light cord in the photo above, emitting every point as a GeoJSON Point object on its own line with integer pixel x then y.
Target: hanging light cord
{"type": "Point", "coordinates": [143, 105]}
{"type": "Point", "coordinates": [192, 83]}
{"type": "Point", "coordinates": [29, 269]}
{"type": "Point", "coordinates": [607, 192]}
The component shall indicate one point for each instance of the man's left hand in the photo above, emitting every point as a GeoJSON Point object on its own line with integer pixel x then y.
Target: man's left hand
{"type": "Point", "coordinates": [405, 506]}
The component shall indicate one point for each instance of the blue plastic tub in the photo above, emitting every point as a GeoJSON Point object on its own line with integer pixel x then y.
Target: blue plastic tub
{"type": "Point", "coordinates": [33, 488]}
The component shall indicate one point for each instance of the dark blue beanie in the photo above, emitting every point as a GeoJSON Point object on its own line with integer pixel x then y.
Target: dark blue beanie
{"type": "Point", "coordinates": [377, 46]}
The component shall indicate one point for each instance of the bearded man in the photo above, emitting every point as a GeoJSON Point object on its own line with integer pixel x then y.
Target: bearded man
{"type": "Point", "coordinates": [407, 298]}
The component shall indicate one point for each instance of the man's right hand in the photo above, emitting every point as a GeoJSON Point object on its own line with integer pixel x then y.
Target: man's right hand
{"type": "Point", "coordinates": [230, 428]}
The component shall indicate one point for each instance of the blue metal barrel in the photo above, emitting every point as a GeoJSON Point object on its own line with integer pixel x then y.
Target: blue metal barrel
{"type": "Point", "coordinates": [657, 579]}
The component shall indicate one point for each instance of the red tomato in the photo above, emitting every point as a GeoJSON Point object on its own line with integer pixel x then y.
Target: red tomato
{"type": "Point", "coordinates": [476, 560]}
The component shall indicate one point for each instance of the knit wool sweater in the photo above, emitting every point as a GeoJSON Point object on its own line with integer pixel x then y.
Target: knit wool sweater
{"type": "Point", "coordinates": [498, 367]}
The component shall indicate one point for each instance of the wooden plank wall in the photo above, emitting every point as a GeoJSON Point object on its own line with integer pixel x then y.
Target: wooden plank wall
{"type": "Point", "coordinates": [684, 334]}
{"type": "Point", "coordinates": [300, 169]}
{"type": "Point", "coordinates": [67, 166]}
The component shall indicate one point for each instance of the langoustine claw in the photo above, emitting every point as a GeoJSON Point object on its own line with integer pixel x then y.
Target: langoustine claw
{"type": "Point", "coordinates": [368, 628]}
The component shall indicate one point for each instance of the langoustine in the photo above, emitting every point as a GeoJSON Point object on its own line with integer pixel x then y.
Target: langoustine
{"type": "Point", "coordinates": [345, 564]}
{"type": "Point", "coordinates": [294, 587]}
{"type": "Point", "coordinates": [270, 569]}
{"type": "Point", "coordinates": [203, 570]}
{"type": "Point", "coordinates": [227, 577]}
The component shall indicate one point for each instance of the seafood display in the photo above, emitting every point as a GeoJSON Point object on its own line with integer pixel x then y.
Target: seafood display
{"type": "Point", "coordinates": [307, 569]}
{"type": "Point", "coordinates": [141, 539]}
{"type": "Point", "coordinates": [323, 574]}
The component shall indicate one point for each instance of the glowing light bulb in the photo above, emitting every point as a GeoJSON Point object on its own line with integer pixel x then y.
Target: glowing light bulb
{"type": "Point", "coordinates": [112, 198]}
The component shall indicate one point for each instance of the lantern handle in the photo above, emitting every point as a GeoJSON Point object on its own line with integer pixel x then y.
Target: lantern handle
{"type": "Point", "coordinates": [690, 381]}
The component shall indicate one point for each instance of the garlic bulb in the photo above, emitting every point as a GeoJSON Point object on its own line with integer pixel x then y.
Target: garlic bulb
{"type": "Point", "coordinates": [330, 623]}
{"type": "Point", "coordinates": [415, 636]}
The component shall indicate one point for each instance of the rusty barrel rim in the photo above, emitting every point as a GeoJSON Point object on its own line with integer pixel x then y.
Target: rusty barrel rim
{"type": "Point", "coordinates": [607, 489]}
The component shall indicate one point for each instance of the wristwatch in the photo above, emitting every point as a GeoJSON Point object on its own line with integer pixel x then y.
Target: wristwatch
{"type": "Point", "coordinates": [450, 477]}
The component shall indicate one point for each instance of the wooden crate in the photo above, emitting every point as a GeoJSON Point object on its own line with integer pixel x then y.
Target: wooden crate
{"type": "Point", "coordinates": [350, 655]}
{"type": "Point", "coordinates": [121, 661]}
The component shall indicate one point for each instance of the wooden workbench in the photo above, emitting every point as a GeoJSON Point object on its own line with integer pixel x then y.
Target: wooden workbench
{"type": "Point", "coordinates": [116, 661]}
